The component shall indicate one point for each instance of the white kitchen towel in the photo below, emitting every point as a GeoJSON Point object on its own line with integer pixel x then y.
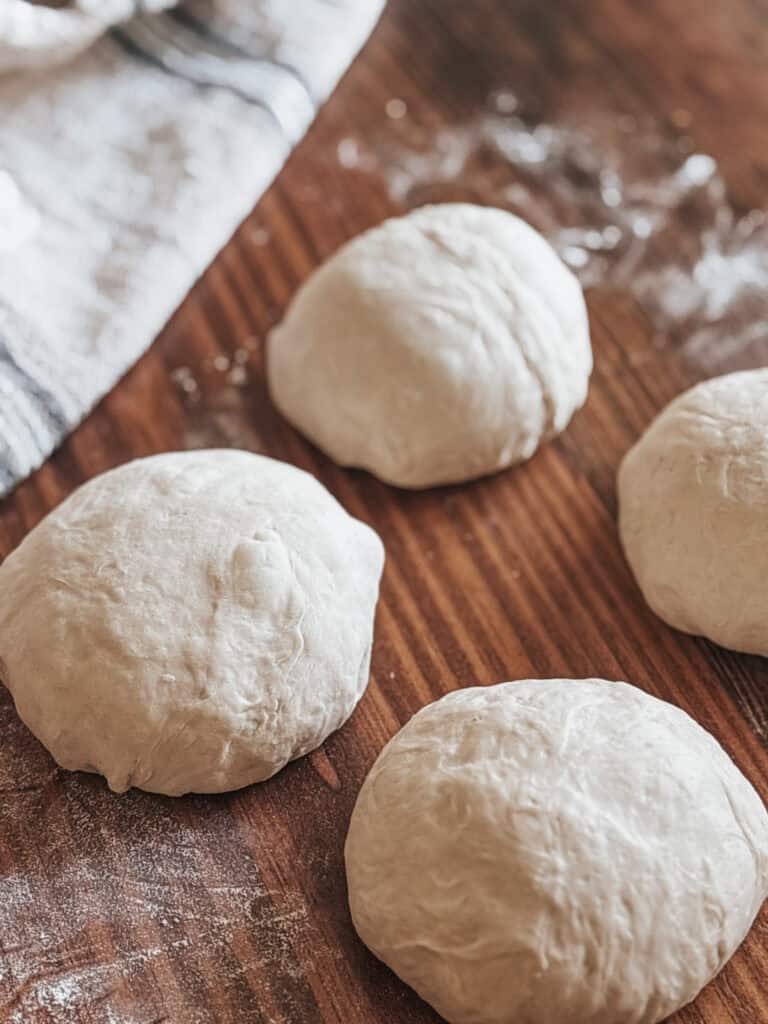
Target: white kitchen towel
{"type": "Point", "coordinates": [134, 138]}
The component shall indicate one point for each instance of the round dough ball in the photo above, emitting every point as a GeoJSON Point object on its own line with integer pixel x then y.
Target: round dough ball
{"type": "Point", "coordinates": [555, 850]}
{"type": "Point", "coordinates": [693, 511]}
{"type": "Point", "coordinates": [190, 621]}
{"type": "Point", "coordinates": [435, 348]}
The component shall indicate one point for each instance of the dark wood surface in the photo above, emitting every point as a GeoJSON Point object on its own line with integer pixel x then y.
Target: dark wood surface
{"type": "Point", "coordinates": [136, 909]}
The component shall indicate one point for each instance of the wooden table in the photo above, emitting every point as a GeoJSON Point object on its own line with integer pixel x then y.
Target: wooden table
{"type": "Point", "coordinates": [137, 909]}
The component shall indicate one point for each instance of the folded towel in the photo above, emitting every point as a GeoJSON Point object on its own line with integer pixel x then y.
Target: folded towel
{"type": "Point", "coordinates": [133, 141]}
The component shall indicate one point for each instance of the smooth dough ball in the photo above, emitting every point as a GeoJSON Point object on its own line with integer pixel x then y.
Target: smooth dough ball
{"type": "Point", "coordinates": [555, 851]}
{"type": "Point", "coordinates": [693, 511]}
{"type": "Point", "coordinates": [435, 348]}
{"type": "Point", "coordinates": [190, 621]}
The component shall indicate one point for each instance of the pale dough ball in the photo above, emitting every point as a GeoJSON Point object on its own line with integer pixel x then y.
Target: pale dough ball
{"type": "Point", "coordinates": [437, 347]}
{"type": "Point", "coordinates": [555, 851]}
{"type": "Point", "coordinates": [693, 511]}
{"type": "Point", "coordinates": [190, 621]}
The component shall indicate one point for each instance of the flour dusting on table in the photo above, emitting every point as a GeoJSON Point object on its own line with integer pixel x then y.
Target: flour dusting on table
{"type": "Point", "coordinates": [109, 895]}
{"type": "Point", "coordinates": [614, 195]}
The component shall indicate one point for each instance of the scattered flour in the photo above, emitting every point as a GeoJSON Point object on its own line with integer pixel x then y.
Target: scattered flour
{"type": "Point", "coordinates": [130, 900]}
{"type": "Point", "coordinates": [627, 203]}
{"type": "Point", "coordinates": [216, 396]}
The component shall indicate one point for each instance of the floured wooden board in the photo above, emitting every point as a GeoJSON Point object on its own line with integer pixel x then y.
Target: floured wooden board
{"type": "Point", "coordinates": [633, 136]}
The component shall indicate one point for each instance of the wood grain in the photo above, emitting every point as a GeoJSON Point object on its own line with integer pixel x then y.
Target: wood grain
{"type": "Point", "coordinates": [137, 909]}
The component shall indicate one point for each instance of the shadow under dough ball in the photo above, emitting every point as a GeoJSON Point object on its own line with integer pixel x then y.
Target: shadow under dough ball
{"type": "Point", "coordinates": [693, 511]}
{"type": "Point", "coordinates": [435, 348]}
{"type": "Point", "coordinates": [190, 622]}
{"type": "Point", "coordinates": [555, 850]}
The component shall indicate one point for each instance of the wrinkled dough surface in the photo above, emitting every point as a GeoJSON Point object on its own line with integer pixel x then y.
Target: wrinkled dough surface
{"type": "Point", "coordinates": [693, 511]}
{"type": "Point", "coordinates": [437, 347]}
{"type": "Point", "coordinates": [190, 621]}
{"type": "Point", "coordinates": [555, 851]}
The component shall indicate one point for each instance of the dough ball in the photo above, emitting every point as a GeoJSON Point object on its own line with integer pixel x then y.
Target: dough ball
{"type": "Point", "coordinates": [555, 851]}
{"type": "Point", "coordinates": [189, 622]}
{"type": "Point", "coordinates": [435, 348]}
{"type": "Point", "coordinates": [693, 511]}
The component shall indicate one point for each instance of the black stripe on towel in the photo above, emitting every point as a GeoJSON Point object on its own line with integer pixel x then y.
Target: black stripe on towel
{"type": "Point", "coordinates": [46, 402]}
{"type": "Point", "coordinates": [7, 477]}
{"type": "Point", "coordinates": [195, 24]}
{"type": "Point", "coordinates": [133, 49]}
